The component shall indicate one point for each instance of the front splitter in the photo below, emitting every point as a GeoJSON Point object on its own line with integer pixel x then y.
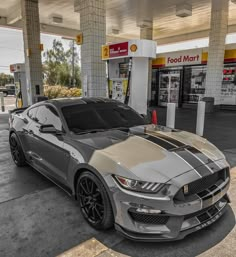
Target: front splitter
{"type": "Point", "coordinates": [152, 237]}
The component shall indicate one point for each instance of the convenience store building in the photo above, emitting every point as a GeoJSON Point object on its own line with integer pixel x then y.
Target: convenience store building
{"type": "Point", "coordinates": [180, 77]}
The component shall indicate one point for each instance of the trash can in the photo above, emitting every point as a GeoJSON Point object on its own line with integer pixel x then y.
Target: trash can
{"type": "Point", "coordinates": [209, 104]}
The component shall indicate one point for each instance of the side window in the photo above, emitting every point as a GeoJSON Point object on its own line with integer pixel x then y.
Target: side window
{"type": "Point", "coordinates": [32, 113]}
{"type": "Point", "coordinates": [47, 115]}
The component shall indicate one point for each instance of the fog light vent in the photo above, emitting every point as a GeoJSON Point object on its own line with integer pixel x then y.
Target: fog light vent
{"type": "Point", "coordinates": [154, 219]}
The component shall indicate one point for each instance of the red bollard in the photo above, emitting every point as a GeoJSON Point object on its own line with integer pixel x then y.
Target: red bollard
{"type": "Point", "coordinates": [154, 117]}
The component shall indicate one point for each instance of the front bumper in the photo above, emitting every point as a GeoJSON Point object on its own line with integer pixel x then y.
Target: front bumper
{"type": "Point", "coordinates": [194, 225]}
{"type": "Point", "coordinates": [175, 219]}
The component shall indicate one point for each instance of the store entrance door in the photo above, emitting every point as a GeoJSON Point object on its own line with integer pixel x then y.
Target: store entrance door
{"type": "Point", "coordinates": [169, 86]}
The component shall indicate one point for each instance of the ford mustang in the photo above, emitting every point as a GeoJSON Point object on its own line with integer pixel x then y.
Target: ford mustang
{"type": "Point", "coordinates": [150, 182]}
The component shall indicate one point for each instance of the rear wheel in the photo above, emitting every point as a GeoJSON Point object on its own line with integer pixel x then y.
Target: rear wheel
{"type": "Point", "coordinates": [16, 151]}
{"type": "Point", "coordinates": [5, 94]}
{"type": "Point", "coordinates": [94, 201]}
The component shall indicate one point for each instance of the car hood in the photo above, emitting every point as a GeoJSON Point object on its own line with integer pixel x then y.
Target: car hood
{"type": "Point", "coordinates": [148, 152]}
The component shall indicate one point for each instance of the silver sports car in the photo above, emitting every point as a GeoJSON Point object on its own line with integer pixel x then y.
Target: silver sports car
{"type": "Point", "coordinates": [151, 182]}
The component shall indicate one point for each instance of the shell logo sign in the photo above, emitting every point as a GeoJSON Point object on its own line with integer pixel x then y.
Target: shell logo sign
{"type": "Point", "coordinates": [133, 48]}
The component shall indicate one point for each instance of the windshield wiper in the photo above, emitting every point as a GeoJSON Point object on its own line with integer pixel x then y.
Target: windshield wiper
{"type": "Point", "coordinates": [120, 128]}
{"type": "Point", "coordinates": [99, 130]}
{"type": "Point", "coordinates": [89, 131]}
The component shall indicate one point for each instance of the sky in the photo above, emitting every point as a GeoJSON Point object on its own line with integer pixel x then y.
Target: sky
{"type": "Point", "coordinates": [11, 46]}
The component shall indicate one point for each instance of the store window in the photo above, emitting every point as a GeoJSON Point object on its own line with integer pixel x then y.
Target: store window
{"type": "Point", "coordinates": [195, 79]}
{"type": "Point", "coordinates": [228, 90]}
{"type": "Point", "coordinates": [154, 86]}
{"type": "Point", "coordinates": [169, 86]}
{"type": "Point", "coordinates": [194, 83]}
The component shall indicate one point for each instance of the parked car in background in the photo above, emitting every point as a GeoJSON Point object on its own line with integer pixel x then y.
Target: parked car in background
{"type": "Point", "coordinates": [9, 89]}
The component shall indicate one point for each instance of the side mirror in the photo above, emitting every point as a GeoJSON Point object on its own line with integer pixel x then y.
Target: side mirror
{"type": "Point", "coordinates": [49, 129]}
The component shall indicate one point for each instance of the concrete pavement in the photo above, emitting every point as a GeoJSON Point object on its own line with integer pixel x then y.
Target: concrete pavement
{"type": "Point", "coordinates": [4, 121]}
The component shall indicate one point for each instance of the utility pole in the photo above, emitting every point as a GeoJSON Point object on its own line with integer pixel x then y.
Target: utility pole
{"type": "Point", "coordinates": [72, 48]}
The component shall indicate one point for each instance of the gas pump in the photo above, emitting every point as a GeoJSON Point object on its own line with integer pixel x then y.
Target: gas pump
{"type": "Point", "coordinates": [18, 71]}
{"type": "Point", "coordinates": [23, 94]}
{"type": "Point", "coordinates": [128, 71]}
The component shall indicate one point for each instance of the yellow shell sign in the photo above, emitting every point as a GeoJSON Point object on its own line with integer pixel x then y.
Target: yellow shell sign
{"type": "Point", "coordinates": [79, 39]}
{"type": "Point", "coordinates": [105, 52]}
{"type": "Point", "coordinates": [133, 48]}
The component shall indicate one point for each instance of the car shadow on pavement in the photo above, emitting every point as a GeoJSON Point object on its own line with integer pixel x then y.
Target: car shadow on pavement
{"type": "Point", "coordinates": [192, 245]}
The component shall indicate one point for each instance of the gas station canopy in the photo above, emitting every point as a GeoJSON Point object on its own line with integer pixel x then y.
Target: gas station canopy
{"type": "Point", "coordinates": [172, 20]}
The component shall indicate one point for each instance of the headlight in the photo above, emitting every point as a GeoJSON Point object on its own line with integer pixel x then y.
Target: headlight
{"type": "Point", "coordinates": [138, 186]}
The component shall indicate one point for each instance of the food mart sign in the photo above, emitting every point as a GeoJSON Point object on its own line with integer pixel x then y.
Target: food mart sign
{"type": "Point", "coordinates": [188, 58]}
{"type": "Point", "coordinates": [183, 58]}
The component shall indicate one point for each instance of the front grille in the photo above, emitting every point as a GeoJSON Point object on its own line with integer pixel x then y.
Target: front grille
{"type": "Point", "coordinates": [207, 182]}
{"type": "Point", "coordinates": [199, 186]}
{"type": "Point", "coordinates": [154, 219]}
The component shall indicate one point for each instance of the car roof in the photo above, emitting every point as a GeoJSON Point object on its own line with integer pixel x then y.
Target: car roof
{"type": "Point", "coordinates": [62, 102]}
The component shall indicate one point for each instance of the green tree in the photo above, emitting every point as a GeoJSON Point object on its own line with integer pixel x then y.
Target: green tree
{"type": "Point", "coordinates": [58, 68]}
{"type": "Point", "coordinates": [6, 79]}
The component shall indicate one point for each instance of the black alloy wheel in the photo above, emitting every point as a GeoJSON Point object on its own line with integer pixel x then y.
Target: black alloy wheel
{"type": "Point", "coordinates": [94, 202]}
{"type": "Point", "coordinates": [16, 151]}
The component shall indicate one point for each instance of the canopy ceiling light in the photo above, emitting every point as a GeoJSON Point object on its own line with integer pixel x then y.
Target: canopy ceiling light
{"type": "Point", "coordinates": [144, 24]}
{"type": "Point", "coordinates": [113, 31]}
{"type": "Point", "coordinates": [58, 19]}
{"type": "Point", "coordinates": [184, 10]}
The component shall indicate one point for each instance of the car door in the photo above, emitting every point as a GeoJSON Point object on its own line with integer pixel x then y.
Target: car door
{"type": "Point", "coordinates": [27, 136]}
{"type": "Point", "coordinates": [49, 153]}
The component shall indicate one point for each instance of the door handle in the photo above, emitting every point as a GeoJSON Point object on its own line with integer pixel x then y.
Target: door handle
{"type": "Point", "coordinates": [34, 156]}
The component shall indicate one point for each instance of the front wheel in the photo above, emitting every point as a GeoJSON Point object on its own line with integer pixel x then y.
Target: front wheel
{"type": "Point", "coordinates": [16, 151]}
{"type": "Point", "coordinates": [94, 201]}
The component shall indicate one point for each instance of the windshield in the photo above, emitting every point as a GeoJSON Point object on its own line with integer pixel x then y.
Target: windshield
{"type": "Point", "coordinates": [100, 116]}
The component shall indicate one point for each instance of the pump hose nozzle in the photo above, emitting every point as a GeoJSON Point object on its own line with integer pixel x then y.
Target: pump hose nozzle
{"type": "Point", "coordinates": [19, 102]}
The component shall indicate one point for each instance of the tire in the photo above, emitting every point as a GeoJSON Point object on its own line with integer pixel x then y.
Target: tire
{"type": "Point", "coordinates": [16, 151]}
{"type": "Point", "coordinates": [5, 94]}
{"type": "Point", "coordinates": [94, 201]}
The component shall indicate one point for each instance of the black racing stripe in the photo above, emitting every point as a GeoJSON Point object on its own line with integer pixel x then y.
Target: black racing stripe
{"type": "Point", "coordinates": [159, 142]}
{"type": "Point", "coordinates": [194, 162]}
{"type": "Point", "coordinates": [199, 154]}
{"type": "Point", "coordinates": [171, 140]}
{"type": "Point", "coordinates": [193, 150]}
{"type": "Point", "coordinates": [204, 158]}
{"type": "Point", "coordinates": [213, 166]}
